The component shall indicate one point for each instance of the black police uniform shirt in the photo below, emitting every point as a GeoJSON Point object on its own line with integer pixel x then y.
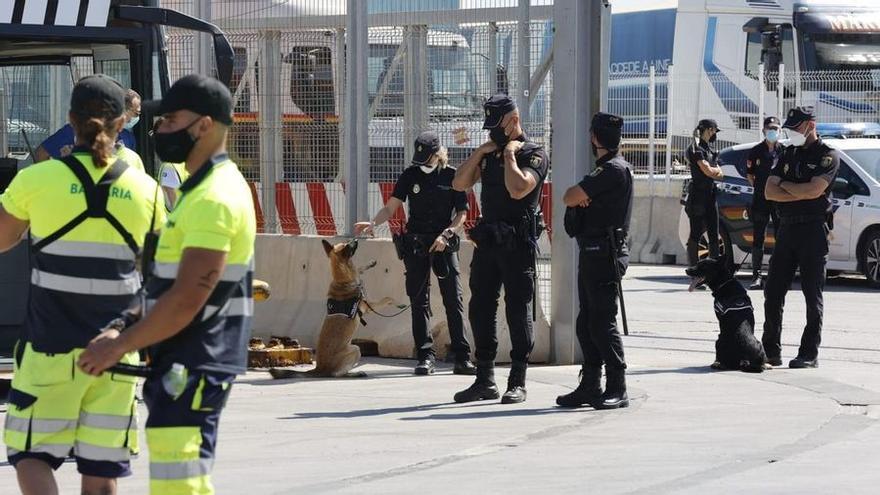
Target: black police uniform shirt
{"type": "Point", "coordinates": [759, 163]}
{"type": "Point", "coordinates": [431, 198]}
{"type": "Point", "coordinates": [610, 189]}
{"type": "Point", "coordinates": [800, 164]}
{"type": "Point", "coordinates": [695, 153]}
{"type": "Point", "coordinates": [497, 205]}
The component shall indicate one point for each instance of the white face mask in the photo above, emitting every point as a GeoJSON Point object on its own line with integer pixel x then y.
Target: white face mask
{"type": "Point", "coordinates": [796, 138]}
{"type": "Point", "coordinates": [428, 168]}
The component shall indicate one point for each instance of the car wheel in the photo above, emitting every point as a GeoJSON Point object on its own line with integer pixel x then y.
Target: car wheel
{"type": "Point", "coordinates": [870, 258]}
{"type": "Point", "coordinates": [723, 249]}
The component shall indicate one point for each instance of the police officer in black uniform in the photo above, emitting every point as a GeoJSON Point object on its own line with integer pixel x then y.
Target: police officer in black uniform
{"type": "Point", "coordinates": [512, 169]}
{"type": "Point", "coordinates": [701, 209]}
{"type": "Point", "coordinates": [598, 215]}
{"type": "Point", "coordinates": [800, 184]}
{"type": "Point", "coordinates": [431, 242]}
{"type": "Point", "coordinates": [762, 158]}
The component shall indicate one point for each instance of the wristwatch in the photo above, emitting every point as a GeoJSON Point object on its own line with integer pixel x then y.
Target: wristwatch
{"type": "Point", "coordinates": [448, 234]}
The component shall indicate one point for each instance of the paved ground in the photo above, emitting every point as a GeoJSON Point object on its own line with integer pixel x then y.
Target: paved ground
{"type": "Point", "coordinates": [688, 431]}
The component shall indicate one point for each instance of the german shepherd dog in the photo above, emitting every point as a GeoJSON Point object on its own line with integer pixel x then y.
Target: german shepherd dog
{"type": "Point", "coordinates": [736, 347]}
{"type": "Point", "coordinates": [336, 356]}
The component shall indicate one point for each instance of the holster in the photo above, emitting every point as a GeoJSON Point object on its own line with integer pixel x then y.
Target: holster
{"type": "Point", "coordinates": [497, 234]}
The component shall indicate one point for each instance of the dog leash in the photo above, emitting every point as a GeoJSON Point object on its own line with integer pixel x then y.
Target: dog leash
{"type": "Point", "coordinates": [424, 286]}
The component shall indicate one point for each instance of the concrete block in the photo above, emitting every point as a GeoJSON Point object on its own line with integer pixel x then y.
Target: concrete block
{"type": "Point", "coordinates": [298, 271]}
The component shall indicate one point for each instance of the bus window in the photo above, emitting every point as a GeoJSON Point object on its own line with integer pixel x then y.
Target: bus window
{"type": "Point", "coordinates": [311, 81]}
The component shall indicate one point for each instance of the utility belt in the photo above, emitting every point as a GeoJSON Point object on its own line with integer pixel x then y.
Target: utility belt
{"type": "Point", "coordinates": [597, 243]}
{"type": "Point", "coordinates": [805, 219]}
{"type": "Point", "coordinates": [419, 245]}
{"type": "Point", "coordinates": [506, 235]}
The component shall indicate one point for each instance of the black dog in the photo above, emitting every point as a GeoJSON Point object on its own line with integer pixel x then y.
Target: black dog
{"type": "Point", "coordinates": [736, 347]}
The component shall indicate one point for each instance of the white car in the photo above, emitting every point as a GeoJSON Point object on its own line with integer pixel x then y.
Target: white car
{"type": "Point", "coordinates": [855, 240]}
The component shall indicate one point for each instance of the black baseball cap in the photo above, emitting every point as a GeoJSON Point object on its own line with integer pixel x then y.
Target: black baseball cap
{"type": "Point", "coordinates": [709, 124]}
{"type": "Point", "coordinates": [496, 108]}
{"type": "Point", "coordinates": [98, 95]}
{"type": "Point", "coordinates": [198, 94]}
{"type": "Point", "coordinates": [797, 116]}
{"type": "Point", "coordinates": [427, 144]}
{"type": "Point", "coordinates": [771, 122]}
{"type": "Point", "coordinates": [608, 129]}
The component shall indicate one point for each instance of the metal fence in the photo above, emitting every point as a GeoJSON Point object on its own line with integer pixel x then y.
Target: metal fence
{"type": "Point", "coordinates": [655, 140]}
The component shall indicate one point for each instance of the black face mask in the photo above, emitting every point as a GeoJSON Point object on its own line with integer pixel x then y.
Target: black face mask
{"type": "Point", "coordinates": [174, 147]}
{"type": "Point", "coordinates": [713, 138]}
{"type": "Point", "coordinates": [498, 137]}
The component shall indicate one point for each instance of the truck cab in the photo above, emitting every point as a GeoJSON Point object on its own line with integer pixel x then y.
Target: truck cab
{"type": "Point", "coordinates": [45, 47]}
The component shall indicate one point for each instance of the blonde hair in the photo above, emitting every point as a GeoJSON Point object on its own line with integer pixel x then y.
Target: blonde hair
{"type": "Point", "coordinates": [442, 157]}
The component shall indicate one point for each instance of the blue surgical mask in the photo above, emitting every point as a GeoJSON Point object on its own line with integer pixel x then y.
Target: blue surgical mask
{"type": "Point", "coordinates": [773, 136]}
{"type": "Point", "coordinates": [133, 122]}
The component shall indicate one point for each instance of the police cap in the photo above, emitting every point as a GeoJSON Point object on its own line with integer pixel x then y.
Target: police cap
{"type": "Point", "coordinates": [607, 128]}
{"type": "Point", "coordinates": [496, 108]}
{"type": "Point", "coordinates": [771, 123]}
{"type": "Point", "coordinates": [708, 124]}
{"type": "Point", "coordinates": [797, 116]}
{"type": "Point", "coordinates": [98, 96]}
{"type": "Point", "coordinates": [426, 145]}
{"type": "Point", "coordinates": [199, 94]}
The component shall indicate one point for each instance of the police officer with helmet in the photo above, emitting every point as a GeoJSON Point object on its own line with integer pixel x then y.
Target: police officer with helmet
{"type": "Point", "coordinates": [598, 215]}
{"type": "Point", "coordinates": [701, 209]}
{"type": "Point", "coordinates": [800, 184]}
{"type": "Point", "coordinates": [431, 242]}
{"type": "Point", "coordinates": [512, 169]}
{"type": "Point", "coordinates": [761, 159]}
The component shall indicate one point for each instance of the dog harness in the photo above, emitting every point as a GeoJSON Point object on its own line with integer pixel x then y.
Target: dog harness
{"type": "Point", "coordinates": [734, 303]}
{"type": "Point", "coordinates": [345, 307]}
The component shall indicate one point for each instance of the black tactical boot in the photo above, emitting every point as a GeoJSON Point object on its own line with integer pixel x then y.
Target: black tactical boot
{"type": "Point", "coordinates": [484, 387]}
{"type": "Point", "coordinates": [464, 367]}
{"type": "Point", "coordinates": [587, 392]}
{"type": "Point", "coordinates": [757, 261]}
{"type": "Point", "coordinates": [615, 390]}
{"type": "Point", "coordinates": [516, 384]}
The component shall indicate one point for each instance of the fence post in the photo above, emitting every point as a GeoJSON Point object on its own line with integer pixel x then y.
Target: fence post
{"type": "Point", "coordinates": [652, 117]}
{"type": "Point", "coordinates": [204, 45]}
{"type": "Point", "coordinates": [4, 144]}
{"type": "Point", "coordinates": [780, 92]}
{"type": "Point", "coordinates": [415, 86]}
{"type": "Point", "coordinates": [670, 102]}
{"type": "Point", "coordinates": [270, 125]}
{"type": "Point", "coordinates": [357, 151]}
{"type": "Point", "coordinates": [493, 58]}
{"type": "Point", "coordinates": [339, 77]}
{"type": "Point", "coordinates": [523, 61]}
{"type": "Point", "coordinates": [762, 94]}
{"type": "Point", "coordinates": [576, 81]}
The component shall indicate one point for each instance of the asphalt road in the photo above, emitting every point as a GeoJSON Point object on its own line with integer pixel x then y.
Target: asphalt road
{"type": "Point", "coordinates": [689, 430]}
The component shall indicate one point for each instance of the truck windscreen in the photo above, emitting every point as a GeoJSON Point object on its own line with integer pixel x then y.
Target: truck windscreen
{"type": "Point", "coordinates": [841, 51]}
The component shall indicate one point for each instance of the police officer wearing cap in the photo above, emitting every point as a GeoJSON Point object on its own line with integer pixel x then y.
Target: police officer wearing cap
{"type": "Point", "coordinates": [199, 303]}
{"type": "Point", "coordinates": [598, 215]}
{"type": "Point", "coordinates": [430, 243]}
{"type": "Point", "coordinates": [701, 209]}
{"type": "Point", "coordinates": [761, 159]}
{"type": "Point", "coordinates": [800, 185]}
{"type": "Point", "coordinates": [512, 169]}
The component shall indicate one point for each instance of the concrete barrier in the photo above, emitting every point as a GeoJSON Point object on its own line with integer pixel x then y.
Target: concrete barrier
{"type": "Point", "coordinates": [655, 218]}
{"type": "Point", "coordinates": [299, 274]}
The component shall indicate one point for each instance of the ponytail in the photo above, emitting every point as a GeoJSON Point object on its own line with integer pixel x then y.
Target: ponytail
{"type": "Point", "coordinates": [442, 157]}
{"type": "Point", "coordinates": [100, 137]}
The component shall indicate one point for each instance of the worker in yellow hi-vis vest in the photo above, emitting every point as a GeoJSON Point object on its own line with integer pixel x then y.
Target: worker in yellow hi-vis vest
{"type": "Point", "coordinates": [200, 297]}
{"type": "Point", "coordinates": [88, 214]}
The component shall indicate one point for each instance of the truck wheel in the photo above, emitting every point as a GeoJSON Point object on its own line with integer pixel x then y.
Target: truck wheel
{"type": "Point", "coordinates": [870, 258]}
